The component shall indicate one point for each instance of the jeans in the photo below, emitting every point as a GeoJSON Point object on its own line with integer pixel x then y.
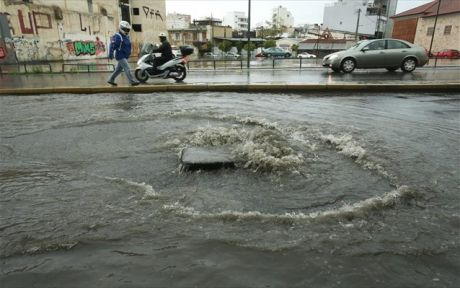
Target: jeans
{"type": "Point", "coordinates": [122, 65]}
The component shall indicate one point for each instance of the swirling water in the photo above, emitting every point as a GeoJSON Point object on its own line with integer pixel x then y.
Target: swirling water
{"type": "Point", "coordinates": [349, 190]}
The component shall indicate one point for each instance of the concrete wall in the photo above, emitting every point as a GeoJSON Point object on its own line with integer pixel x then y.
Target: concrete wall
{"type": "Point", "coordinates": [218, 31]}
{"type": "Point", "coordinates": [343, 16]}
{"type": "Point", "coordinates": [440, 41]}
{"type": "Point", "coordinates": [72, 29]}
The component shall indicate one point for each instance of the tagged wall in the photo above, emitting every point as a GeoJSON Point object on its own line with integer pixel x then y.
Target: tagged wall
{"type": "Point", "coordinates": [72, 30]}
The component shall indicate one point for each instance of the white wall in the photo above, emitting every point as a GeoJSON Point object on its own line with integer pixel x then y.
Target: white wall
{"type": "Point", "coordinates": [343, 16]}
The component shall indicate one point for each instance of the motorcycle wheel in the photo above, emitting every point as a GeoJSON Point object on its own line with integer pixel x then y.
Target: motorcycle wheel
{"type": "Point", "coordinates": [181, 73]}
{"type": "Point", "coordinates": [141, 75]}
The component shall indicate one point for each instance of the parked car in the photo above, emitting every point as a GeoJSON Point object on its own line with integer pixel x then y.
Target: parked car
{"type": "Point", "coordinates": [210, 55]}
{"type": "Point", "coordinates": [232, 55]}
{"type": "Point", "coordinates": [275, 52]}
{"type": "Point", "coordinates": [448, 53]}
{"type": "Point", "coordinates": [391, 54]}
{"type": "Point", "coordinates": [306, 55]}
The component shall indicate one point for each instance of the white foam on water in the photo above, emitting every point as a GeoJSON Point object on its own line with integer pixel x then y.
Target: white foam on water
{"type": "Point", "coordinates": [149, 192]}
{"type": "Point", "coordinates": [347, 211]}
{"type": "Point", "coordinates": [258, 156]}
{"type": "Point", "coordinates": [258, 148]}
{"type": "Point", "coordinates": [351, 148]}
{"type": "Point", "coordinates": [346, 145]}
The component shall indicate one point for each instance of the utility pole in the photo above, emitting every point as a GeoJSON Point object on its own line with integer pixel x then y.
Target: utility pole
{"type": "Point", "coordinates": [212, 34]}
{"type": "Point", "coordinates": [434, 28]}
{"type": "Point", "coordinates": [357, 24]}
{"type": "Point", "coordinates": [249, 34]}
{"type": "Point", "coordinates": [379, 16]}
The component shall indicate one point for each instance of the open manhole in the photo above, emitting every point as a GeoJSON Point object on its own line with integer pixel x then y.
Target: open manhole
{"type": "Point", "coordinates": [206, 158]}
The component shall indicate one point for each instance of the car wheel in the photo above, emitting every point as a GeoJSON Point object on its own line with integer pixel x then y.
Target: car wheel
{"type": "Point", "coordinates": [392, 69]}
{"type": "Point", "coordinates": [409, 64]}
{"type": "Point", "coordinates": [287, 55]}
{"type": "Point", "coordinates": [348, 65]}
{"type": "Point", "coordinates": [269, 55]}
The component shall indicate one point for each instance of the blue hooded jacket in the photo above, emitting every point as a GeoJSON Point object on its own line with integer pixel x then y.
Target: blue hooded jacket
{"type": "Point", "coordinates": [120, 45]}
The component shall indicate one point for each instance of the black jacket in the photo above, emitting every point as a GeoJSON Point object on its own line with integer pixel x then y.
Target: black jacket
{"type": "Point", "coordinates": [166, 51]}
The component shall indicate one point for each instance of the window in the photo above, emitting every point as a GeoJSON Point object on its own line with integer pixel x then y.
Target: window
{"type": "Point", "coordinates": [429, 31]}
{"type": "Point", "coordinates": [136, 11]}
{"type": "Point", "coordinates": [137, 27]}
{"type": "Point", "coordinates": [377, 45]}
{"type": "Point", "coordinates": [392, 44]}
{"type": "Point", "coordinates": [447, 29]}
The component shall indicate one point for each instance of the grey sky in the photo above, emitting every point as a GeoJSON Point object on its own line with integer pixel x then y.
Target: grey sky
{"type": "Point", "coordinates": [304, 11]}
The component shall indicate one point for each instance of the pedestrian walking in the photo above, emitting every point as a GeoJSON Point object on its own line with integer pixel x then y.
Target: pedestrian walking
{"type": "Point", "coordinates": [120, 45]}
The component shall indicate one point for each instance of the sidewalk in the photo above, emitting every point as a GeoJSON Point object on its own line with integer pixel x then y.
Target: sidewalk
{"type": "Point", "coordinates": [321, 79]}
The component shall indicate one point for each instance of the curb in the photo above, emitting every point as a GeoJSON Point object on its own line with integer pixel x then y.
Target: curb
{"type": "Point", "coordinates": [250, 88]}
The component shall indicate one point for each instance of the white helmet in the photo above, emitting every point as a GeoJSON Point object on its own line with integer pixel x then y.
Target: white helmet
{"type": "Point", "coordinates": [125, 27]}
{"type": "Point", "coordinates": [162, 37]}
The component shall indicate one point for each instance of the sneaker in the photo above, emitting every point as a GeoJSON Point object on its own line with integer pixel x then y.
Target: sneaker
{"type": "Point", "coordinates": [112, 83]}
{"type": "Point", "coordinates": [135, 83]}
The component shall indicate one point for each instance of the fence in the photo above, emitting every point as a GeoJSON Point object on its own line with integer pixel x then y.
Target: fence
{"type": "Point", "coordinates": [199, 64]}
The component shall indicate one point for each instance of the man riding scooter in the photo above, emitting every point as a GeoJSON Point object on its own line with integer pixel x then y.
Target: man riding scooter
{"type": "Point", "coordinates": [165, 50]}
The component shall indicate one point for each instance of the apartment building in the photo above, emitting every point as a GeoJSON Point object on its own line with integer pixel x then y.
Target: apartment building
{"type": "Point", "coordinates": [237, 20]}
{"type": "Point", "coordinates": [374, 17]}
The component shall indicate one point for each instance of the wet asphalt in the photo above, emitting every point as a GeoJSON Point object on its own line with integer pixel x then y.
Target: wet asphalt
{"type": "Point", "coordinates": [306, 76]}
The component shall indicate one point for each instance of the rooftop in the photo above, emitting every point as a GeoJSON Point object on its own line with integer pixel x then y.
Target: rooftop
{"type": "Point", "coordinates": [430, 9]}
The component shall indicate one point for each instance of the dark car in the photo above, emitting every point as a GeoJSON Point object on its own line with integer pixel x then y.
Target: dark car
{"type": "Point", "coordinates": [391, 54]}
{"type": "Point", "coordinates": [448, 54]}
{"type": "Point", "coordinates": [275, 52]}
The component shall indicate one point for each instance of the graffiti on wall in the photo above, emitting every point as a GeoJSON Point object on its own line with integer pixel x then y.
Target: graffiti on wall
{"type": "Point", "coordinates": [152, 12]}
{"type": "Point", "coordinates": [86, 48]}
{"type": "Point", "coordinates": [36, 20]}
{"type": "Point", "coordinates": [25, 48]}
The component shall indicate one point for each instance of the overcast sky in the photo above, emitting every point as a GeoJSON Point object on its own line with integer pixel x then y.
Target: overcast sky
{"type": "Point", "coordinates": [303, 11]}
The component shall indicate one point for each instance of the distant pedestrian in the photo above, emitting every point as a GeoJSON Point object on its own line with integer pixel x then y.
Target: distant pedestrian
{"type": "Point", "coordinates": [121, 46]}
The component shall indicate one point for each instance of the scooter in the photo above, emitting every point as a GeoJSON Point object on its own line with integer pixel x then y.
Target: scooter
{"type": "Point", "coordinates": [174, 68]}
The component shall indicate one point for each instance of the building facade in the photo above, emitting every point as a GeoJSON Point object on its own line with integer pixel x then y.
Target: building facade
{"type": "Point", "coordinates": [237, 20]}
{"type": "Point", "coordinates": [199, 33]}
{"type": "Point", "coordinates": [52, 30]}
{"type": "Point", "coordinates": [374, 16]}
{"type": "Point", "coordinates": [282, 19]}
{"type": "Point", "coordinates": [178, 21]}
{"type": "Point", "coordinates": [417, 25]}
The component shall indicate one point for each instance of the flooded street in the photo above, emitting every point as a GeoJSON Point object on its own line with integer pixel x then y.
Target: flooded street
{"type": "Point", "coordinates": [354, 190]}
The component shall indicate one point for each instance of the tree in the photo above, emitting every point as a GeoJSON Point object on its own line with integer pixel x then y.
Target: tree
{"type": "Point", "coordinates": [206, 47]}
{"type": "Point", "coordinates": [251, 47]}
{"type": "Point", "coordinates": [270, 43]}
{"type": "Point", "coordinates": [225, 46]}
{"type": "Point", "coordinates": [239, 46]}
{"type": "Point", "coordinates": [295, 48]}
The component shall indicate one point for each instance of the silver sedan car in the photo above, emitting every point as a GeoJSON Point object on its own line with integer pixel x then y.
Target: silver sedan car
{"type": "Point", "coordinates": [391, 54]}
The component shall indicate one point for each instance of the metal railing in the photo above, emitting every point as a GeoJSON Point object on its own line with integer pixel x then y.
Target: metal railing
{"type": "Point", "coordinates": [34, 67]}
{"type": "Point", "coordinates": [89, 67]}
{"type": "Point", "coordinates": [197, 64]}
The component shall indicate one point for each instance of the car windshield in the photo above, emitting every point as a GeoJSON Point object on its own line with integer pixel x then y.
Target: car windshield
{"type": "Point", "coordinates": [358, 44]}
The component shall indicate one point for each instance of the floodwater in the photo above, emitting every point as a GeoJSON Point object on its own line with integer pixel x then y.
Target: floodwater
{"type": "Point", "coordinates": [352, 190]}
